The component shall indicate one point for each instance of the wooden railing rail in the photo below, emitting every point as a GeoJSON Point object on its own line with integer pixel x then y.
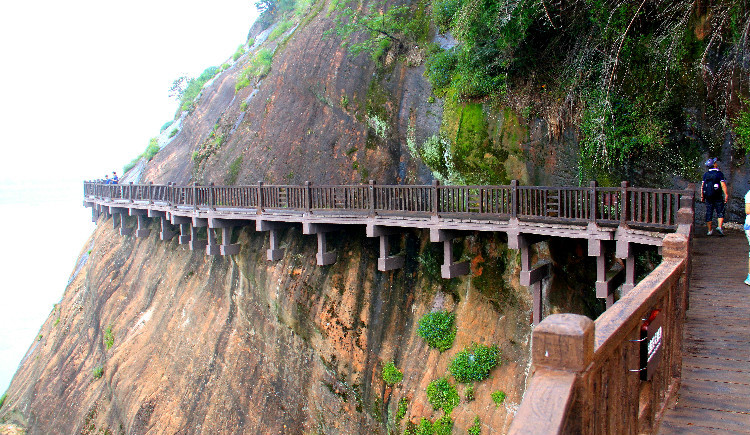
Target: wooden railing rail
{"type": "Point", "coordinates": [592, 377]}
{"type": "Point", "coordinates": [625, 205]}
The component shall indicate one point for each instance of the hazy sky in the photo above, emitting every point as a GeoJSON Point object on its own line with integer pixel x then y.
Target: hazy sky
{"type": "Point", "coordinates": [84, 86]}
{"type": "Point", "coordinates": [85, 83]}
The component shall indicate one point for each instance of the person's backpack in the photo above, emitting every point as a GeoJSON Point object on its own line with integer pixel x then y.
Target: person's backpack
{"type": "Point", "coordinates": [711, 187]}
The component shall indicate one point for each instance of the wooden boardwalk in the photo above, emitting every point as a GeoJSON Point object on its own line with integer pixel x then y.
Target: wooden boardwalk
{"type": "Point", "coordinates": [715, 394]}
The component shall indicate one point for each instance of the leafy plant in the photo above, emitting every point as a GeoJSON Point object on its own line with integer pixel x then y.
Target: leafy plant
{"type": "Point", "coordinates": [443, 425]}
{"type": "Point", "coordinates": [280, 29]}
{"type": "Point", "coordinates": [239, 52]}
{"type": "Point", "coordinates": [498, 397]}
{"type": "Point", "coordinates": [438, 329]}
{"type": "Point", "coordinates": [424, 427]}
{"type": "Point", "coordinates": [151, 149]}
{"type": "Point", "coordinates": [403, 404]}
{"type": "Point", "coordinates": [165, 126]}
{"type": "Point", "coordinates": [234, 171]}
{"type": "Point", "coordinates": [742, 127]}
{"type": "Point", "coordinates": [109, 337]}
{"type": "Point", "coordinates": [2, 400]}
{"type": "Point", "coordinates": [98, 372]}
{"type": "Point", "coordinates": [442, 395]}
{"type": "Point", "coordinates": [391, 374]}
{"type": "Point", "coordinates": [173, 133]}
{"type": "Point", "coordinates": [258, 67]}
{"type": "Point", "coordinates": [469, 393]}
{"type": "Point", "coordinates": [476, 428]}
{"type": "Point", "coordinates": [474, 363]}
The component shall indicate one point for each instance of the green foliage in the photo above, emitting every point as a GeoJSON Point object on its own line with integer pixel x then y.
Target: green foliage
{"type": "Point", "coordinates": [430, 259]}
{"type": "Point", "coordinates": [440, 68]}
{"type": "Point", "coordinates": [187, 89]}
{"type": "Point", "coordinates": [243, 106]}
{"type": "Point", "coordinates": [2, 400]}
{"type": "Point", "coordinates": [498, 397]}
{"type": "Point", "coordinates": [742, 127]}
{"type": "Point", "coordinates": [165, 126]}
{"type": "Point", "coordinates": [476, 428]}
{"type": "Point", "coordinates": [280, 29]}
{"type": "Point", "coordinates": [109, 337]}
{"type": "Point", "coordinates": [391, 374]}
{"type": "Point", "coordinates": [438, 329]}
{"type": "Point", "coordinates": [234, 171]}
{"type": "Point", "coordinates": [258, 67]}
{"type": "Point", "coordinates": [151, 149]}
{"type": "Point", "coordinates": [474, 363]}
{"type": "Point", "coordinates": [239, 52]}
{"type": "Point", "coordinates": [130, 165]}
{"type": "Point", "coordinates": [442, 395]}
{"type": "Point", "coordinates": [403, 404]}
{"type": "Point", "coordinates": [424, 427]}
{"type": "Point", "coordinates": [443, 425]}
{"type": "Point", "coordinates": [469, 393]}
{"type": "Point", "coordinates": [98, 372]}
{"type": "Point", "coordinates": [173, 133]}
{"type": "Point", "coordinates": [443, 12]}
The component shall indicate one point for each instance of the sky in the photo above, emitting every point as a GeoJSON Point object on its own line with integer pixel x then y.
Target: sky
{"type": "Point", "coordinates": [84, 85]}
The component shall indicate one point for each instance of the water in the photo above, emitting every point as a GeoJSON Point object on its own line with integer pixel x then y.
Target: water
{"type": "Point", "coordinates": [45, 227]}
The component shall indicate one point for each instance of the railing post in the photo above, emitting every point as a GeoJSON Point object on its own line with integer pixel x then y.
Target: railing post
{"type": "Point", "coordinates": [514, 199]}
{"type": "Point", "coordinates": [259, 209]}
{"type": "Point", "coordinates": [150, 192]}
{"type": "Point", "coordinates": [195, 196]}
{"type": "Point", "coordinates": [371, 197]}
{"type": "Point", "coordinates": [308, 198]}
{"type": "Point", "coordinates": [435, 206]}
{"type": "Point", "coordinates": [592, 202]}
{"type": "Point", "coordinates": [130, 192]}
{"type": "Point", "coordinates": [211, 197]}
{"type": "Point", "coordinates": [624, 203]}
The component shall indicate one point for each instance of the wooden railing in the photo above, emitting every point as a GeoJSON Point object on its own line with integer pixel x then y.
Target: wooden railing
{"type": "Point", "coordinates": [653, 208]}
{"type": "Point", "coordinates": [592, 377]}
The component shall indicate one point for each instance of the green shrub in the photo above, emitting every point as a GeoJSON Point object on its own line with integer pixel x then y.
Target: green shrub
{"type": "Point", "coordinates": [151, 149]}
{"type": "Point", "coordinates": [250, 42]}
{"type": "Point", "coordinates": [280, 29]}
{"type": "Point", "coordinates": [438, 329]}
{"type": "Point", "coordinates": [2, 400]}
{"type": "Point", "coordinates": [131, 164]}
{"type": "Point", "coordinates": [173, 133]}
{"type": "Point", "coordinates": [742, 127]}
{"type": "Point", "coordinates": [442, 395]}
{"type": "Point", "coordinates": [391, 374]}
{"type": "Point", "coordinates": [240, 51]}
{"type": "Point", "coordinates": [443, 425]}
{"type": "Point", "coordinates": [443, 12]}
{"type": "Point", "coordinates": [193, 88]}
{"type": "Point", "coordinates": [165, 126]}
{"type": "Point", "coordinates": [476, 428]}
{"type": "Point", "coordinates": [234, 171]}
{"type": "Point", "coordinates": [258, 67]}
{"type": "Point", "coordinates": [98, 372]}
{"type": "Point", "coordinates": [424, 427]}
{"type": "Point", "coordinates": [243, 106]}
{"type": "Point", "coordinates": [474, 363]}
{"type": "Point", "coordinates": [469, 393]}
{"type": "Point", "coordinates": [402, 408]}
{"type": "Point", "coordinates": [109, 337]}
{"type": "Point", "coordinates": [498, 397]}
{"type": "Point", "coordinates": [440, 68]}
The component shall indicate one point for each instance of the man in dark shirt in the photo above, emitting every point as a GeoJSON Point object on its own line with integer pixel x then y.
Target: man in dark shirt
{"type": "Point", "coordinates": [715, 194]}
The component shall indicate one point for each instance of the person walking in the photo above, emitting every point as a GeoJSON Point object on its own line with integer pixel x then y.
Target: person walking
{"type": "Point", "coordinates": [715, 194]}
{"type": "Point", "coordinates": [747, 232]}
{"type": "Point", "coordinates": [115, 180]}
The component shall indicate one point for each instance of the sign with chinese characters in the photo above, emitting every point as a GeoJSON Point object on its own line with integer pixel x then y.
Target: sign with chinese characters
{"type": "Point", "coordinates": [652, 335]}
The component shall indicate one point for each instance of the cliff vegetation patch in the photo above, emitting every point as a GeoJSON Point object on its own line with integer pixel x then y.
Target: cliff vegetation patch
{"type": "Point", "coordinates": [474, 363]}
{"type": "Point", "coordinates": [438, 329]}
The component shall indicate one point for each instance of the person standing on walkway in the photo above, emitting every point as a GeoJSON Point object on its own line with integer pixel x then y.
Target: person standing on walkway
{"type": "Point", "coordinates": [715, 194]}
{"type": "Point", "coordinates": [747, 232]}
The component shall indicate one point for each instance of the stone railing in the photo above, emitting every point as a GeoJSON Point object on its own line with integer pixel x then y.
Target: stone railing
{"type": "Point", "coordinates": [615, 375]}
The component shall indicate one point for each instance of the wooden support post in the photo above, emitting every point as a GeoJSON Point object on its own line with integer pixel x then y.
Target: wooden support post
{"type": "Point", "coordinates": [167, 231]}
{"type": "Point", "coordinates": [185, 234]}
{"type": "Point", "coordinates": [142, 230]}
{"type": "Point", "coordinates": [629, 274]}
{"type": "Point", "coordinates": [449, 269]}
{"type": "Point", "coordinates": [274, 252]}
{"type": "Point", "coordinates": [227, 248]}
{"type": "Point", "coordinates": [324, 257]}
{"type": "Point", "coordinates": [386, 261]}
{"type": "Point", "coordinates": [124, 230]}
{"type": "Point", "coordinates": [532, 277]}
{"type": "Point", "coordinates": [212, 248]}
{"type": "Point", "coordinates": [195, 243]}
{"type": "Point", "coordinates": [116, 217]}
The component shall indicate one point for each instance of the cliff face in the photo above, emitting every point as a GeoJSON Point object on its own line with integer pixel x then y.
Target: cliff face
{"type": "Point", "coordinates": [205, 344]}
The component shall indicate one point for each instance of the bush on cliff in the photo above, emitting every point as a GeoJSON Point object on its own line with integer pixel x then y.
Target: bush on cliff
{"type": "Point", "coordinates": [474, 363]}
{"type": "Point", "coordinates": [442, 395]}
{"type": "Point", "coordinates": [438, 329]}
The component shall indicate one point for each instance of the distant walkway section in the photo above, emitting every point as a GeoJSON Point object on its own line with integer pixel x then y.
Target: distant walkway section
{"type": "Point", "coordinates": [715, 394]}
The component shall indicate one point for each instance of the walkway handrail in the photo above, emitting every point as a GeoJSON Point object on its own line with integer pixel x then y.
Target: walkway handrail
{"type": "Point", "coordinates": [625, 205]}
{"type": "Point", "coordinates": [587, 375]}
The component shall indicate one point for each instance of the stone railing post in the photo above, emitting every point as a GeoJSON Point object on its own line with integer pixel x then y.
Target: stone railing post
{"type": "Point", "coordinates": [371, 197]}
{"type": "Point", "coordinates": [624, 210]}
{"type": "Point", "coordinates": [259, 209]}
{"type": "Point", "coordinates": [562, 350]}
{"type": "Point", "coordinates": [308, 198]}
{"type": "Point", "coordinates": [592, 202]}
